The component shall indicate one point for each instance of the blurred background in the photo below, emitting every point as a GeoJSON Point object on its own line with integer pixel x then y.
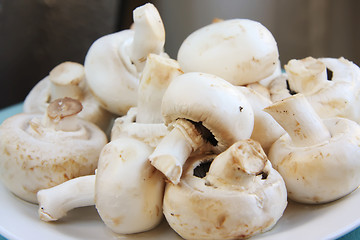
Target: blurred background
{"type": "Point", "coordinates": [37, 35]}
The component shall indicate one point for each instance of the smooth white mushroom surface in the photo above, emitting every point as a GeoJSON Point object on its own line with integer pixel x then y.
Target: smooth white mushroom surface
{"type": "Point", "coordinates": [332, 86]}
{"type": "Point", "coordinates": [41, 151]}
{"type": "Point", "coordinates": [123, 162]}
{"type": "Point", "coordinates": [318, 159]}
{"type": "Point", "coordinates": [128, 189]}
{"type": "Point", "coordinates": [67, 80]}
{"type": "Point", "coordinates": [236, 194]}
{"type": "Point", "coordinates": [241, 51]}
{"type": "Point", "coordinates": [57, 201]}
{"type": "Point", "coordinates": [266, 130]}
{"type": "Point", "coordinates": [216, 141]}
{"type": "Point", "coordinates": [114, 62]}
{"type": "Point", "coordinates": [149, 133]}
{"type": "Point", "coordinates": [203, 111]}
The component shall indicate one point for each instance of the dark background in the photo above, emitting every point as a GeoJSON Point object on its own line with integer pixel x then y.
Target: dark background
{"type": "Point", "coordinates": [37, 35]}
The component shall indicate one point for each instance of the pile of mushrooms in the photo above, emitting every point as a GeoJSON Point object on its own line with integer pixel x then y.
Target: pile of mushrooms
{"type": "Point", "coordinates": [215, 147]}
{"type": "Point", "coordinates": [126, 190]}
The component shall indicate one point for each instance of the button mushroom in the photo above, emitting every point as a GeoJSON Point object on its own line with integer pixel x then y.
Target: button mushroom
{"type": "Point", "coordinates": [318, 159]}
{"type": "Point", "coordinates": [129, 190]}
{"type": "Point", "coordinates": [236, 194]}
{"type": "Point", "coordinates": [331, 85]}
{"type": "Point", "coordinates": [114, 62]}
{"type": "Point", "coordinates": [67, 80]}
{"type": "Point", "coordinates": [247, 49]}
{"type": "Point", "coordinates": [41, 151]}
{"type": "Point", "coordinates": [203, 111]}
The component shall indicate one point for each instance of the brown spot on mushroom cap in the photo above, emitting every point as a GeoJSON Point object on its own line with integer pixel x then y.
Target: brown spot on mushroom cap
{"type": "Point", "coordinates": [117, 221]}
{"type": "Point", "coordinates": [220, 220]}
{"type": "Point", "coordinates": [63, 107]}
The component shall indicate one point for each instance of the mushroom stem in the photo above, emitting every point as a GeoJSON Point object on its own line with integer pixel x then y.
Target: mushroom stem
{"type": "Point", "coordinates": [67, 80]}
{"type": "Point", "coordinates": [55, 202]}
{"type": "Point", "coordinates": [175, 148]}
{"type": "Point", "coordinates": [238, 164]}
{"type": "Point", "coordinates": [299, 120]}
{"type": "Point", "coordinates": [149, 34]}
{"type": "Point", "coordinates": [156, 76]}
{"type": "Point", "coordinates": [306, 75]}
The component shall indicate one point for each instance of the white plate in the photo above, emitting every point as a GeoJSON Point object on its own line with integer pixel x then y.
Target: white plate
{"type": "Point", "coordinates": [19, 220]}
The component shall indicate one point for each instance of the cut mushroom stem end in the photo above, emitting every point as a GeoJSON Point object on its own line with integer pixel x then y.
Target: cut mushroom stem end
{"type": "Point", "coordinates": [299, 120]}
{"type": "Point", "coordinates": [239, 163]}
{"type": "Point", "coordinates": [306, 75]}
{"type": "Point", "coordinates": [175, 148]}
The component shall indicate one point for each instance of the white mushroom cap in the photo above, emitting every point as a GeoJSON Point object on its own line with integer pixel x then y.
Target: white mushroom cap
{"type": "Point", "coordinates": [203, 111]}
{"type": "Point", "coordinates": [38, 152]}
{"type": "Point", "coordinates": [112, 78]}
{"type": "Point", "coordinates": [209, 100]}
{"type": "Point", "coordinates": [318, 159]}
{"type": "Point", "coordinates": [240, 196]}
{"type": "Point", "coordinates": [241, 51]}
{"type": "Point", "coordinates": [114, 62]}
{"type": "Point", "coordinates": [129, 190]}
{"type": "Point", "coordinates": [67, 80]}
